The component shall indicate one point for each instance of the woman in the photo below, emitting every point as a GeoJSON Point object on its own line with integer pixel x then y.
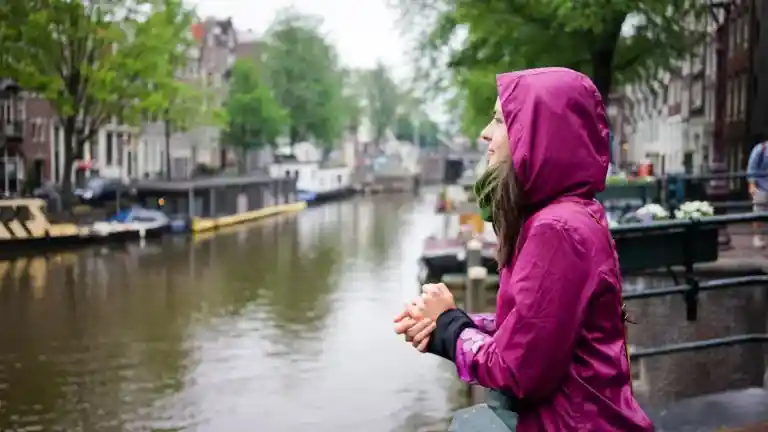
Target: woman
{"type": "Point", "coordinates": [556, 345]}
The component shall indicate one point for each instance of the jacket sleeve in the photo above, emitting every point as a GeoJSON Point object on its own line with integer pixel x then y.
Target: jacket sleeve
{"type": "Point", "coordinates": [530, 353]}
{"type": "Point", "coordinates": [752, 167]}
{"type": "Point", "coordinates": [485, 322]}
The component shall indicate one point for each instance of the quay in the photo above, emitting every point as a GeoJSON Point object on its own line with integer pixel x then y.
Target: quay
{"type": "Point", "coordinates": [211, 203]}
{"type": "Point", "coordinates": [179, 207]}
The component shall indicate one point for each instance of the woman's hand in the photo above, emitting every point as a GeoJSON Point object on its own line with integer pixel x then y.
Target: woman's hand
{"type": "Point", "coordinates": [435, 299]}
{"type": "Point", "coordinates": [414, 326]}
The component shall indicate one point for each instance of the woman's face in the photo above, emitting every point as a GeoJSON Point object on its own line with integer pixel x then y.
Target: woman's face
{"type": "Point", "coordinates": [495, 134]}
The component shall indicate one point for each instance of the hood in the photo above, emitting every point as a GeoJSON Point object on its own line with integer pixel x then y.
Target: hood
{"type": "Point", "coordinates": [558, 133]}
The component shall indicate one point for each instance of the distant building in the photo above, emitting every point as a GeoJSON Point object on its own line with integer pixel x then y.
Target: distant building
{"type": "Point", "coordinates": [11, 135]}
{"type": "Point", "coordinates": [210, 63]}
{"type": "Point", "coordinates": [737, 87]}
{"type": "Point", "coordinates": [671, 122]}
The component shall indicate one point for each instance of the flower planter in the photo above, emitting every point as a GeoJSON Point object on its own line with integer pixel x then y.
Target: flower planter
{"type": "Point", "coordinates": [658, 245]}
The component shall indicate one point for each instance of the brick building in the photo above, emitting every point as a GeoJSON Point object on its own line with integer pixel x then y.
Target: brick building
{"type": "Point", "coordinates": [736, 86]}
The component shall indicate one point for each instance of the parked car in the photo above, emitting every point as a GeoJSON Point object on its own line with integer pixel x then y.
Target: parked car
{"type": "Point", "coordinates": [100, 190]}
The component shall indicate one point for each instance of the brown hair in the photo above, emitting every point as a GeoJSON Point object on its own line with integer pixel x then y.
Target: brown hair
{"type": "Point", "coordinates": [507, 212]}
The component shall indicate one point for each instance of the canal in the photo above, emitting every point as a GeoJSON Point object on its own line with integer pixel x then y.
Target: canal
{"type": "Point", "coordinates": [281, 325]}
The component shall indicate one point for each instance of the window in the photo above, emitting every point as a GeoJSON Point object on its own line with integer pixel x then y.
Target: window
{"type": "Point", "coordinates": [744, 95]}
{"type": "Point", "coordinates": [94, 148]}
{"type": "Point", "coordinates": [731, 39]}
{"type": "Point", "coordinates": [745, 28]}
{"type": "Point", "coordinates": [737, 98]}
{"type": "Point", "coordinates": [709, 106]}
{"type": "Point", "coordinates": [697, 94]}
{"type": "Point", "coordinates": [56, 165]}
{"type": "Point", "coordinates": [110, 150]}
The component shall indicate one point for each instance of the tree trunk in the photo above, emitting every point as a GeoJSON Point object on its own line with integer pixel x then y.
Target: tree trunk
{"type": "Point", "coordinates": [241, 161]}
{"type": "Point", "coordinates": [603, 54]}
{"type": "Point", "coordinates": [167, 147]}
{"type": "Point", "coordinates": [293, 135]}
{"type": "Point", "coordinates": [69, 161]}
{"type": "Point", "coordinates": [602, 76]}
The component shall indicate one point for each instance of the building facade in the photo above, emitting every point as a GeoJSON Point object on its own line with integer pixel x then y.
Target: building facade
{"type": "Point", "coordinates": [12, 118]}
{"type": "Point", "coordinates": [210, 63]}
{"type": "Point", "coordinates": [734, 95]}
{"type": "Point", "coordinates": [672, 123]}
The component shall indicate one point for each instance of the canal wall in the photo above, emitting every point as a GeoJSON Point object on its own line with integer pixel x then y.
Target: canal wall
{"type": "Point", "coordinates": [662, 321]}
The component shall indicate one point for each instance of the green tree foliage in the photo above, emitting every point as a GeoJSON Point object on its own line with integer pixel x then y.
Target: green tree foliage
{"type": "Point", "coordinates": [353, 95]}
{"type": "Point", "coordinates": [254, 118]}
{"type": "Point", "coordinates": [303, 70]}
{"type": "Point", "coordinates": [611, 41]}
{"type": "Point", "coordinates": [94, 61]}
{"type": "Point", "coordinates": [383, 98]}
{"type": "Point", "coordinates": [417, 128]}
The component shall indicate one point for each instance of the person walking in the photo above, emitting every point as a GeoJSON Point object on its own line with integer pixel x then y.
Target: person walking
{"type": "Point", "coordinates": [757, 179]}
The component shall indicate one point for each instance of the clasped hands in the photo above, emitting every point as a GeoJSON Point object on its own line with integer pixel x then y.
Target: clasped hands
{"type": "Point", "coordinates": [417, 320]}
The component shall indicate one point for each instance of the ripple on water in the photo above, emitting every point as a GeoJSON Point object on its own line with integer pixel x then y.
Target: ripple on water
{"type": "Point", "coordinates": [279, 326]}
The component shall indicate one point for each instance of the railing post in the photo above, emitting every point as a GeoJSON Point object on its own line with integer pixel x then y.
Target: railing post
{"type": "Point", "coordinates": [474, 252]}
{"type": "Point", "coordinates": [689, 249]}
{"type": "Point", "coordinates": [476, 275]}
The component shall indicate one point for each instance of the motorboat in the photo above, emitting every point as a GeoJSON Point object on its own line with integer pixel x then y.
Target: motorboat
{"type": "Point", "coordinates": [135, 220]}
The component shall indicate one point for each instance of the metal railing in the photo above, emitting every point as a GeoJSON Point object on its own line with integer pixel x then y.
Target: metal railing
{"type": "Point", "coordinates": [693, 287]}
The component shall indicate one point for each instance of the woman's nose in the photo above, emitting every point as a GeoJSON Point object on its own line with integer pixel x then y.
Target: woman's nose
{"type": "Point", "coordinates": [486, 134]}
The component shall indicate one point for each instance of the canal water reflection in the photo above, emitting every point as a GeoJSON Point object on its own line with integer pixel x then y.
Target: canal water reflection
{"type": "Point", "coordinates": [283, 325]}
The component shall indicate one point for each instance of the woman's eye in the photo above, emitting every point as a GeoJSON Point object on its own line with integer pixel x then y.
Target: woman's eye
{"type": "Point", "coordinates": [498, 120]}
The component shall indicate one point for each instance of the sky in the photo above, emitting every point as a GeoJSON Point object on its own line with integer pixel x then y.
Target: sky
{"type": "Point", "coordinates": [363, 31]}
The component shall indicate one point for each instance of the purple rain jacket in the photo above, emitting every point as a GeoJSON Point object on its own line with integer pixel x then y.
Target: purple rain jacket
{"type": "Point", "coordinates": [556, 345]}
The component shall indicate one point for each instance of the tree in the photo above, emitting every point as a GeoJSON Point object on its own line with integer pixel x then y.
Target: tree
{"type": "Point", "coordinates": [185, 104]}
{"type": "Point", "coordinates": [94, 61]}
{"type": "Point", "coordinates": [303, 71]}
{"type": "Point", "coordinates": [416, 128]}
{"type": "Point", "coordinates": [382, 95]}
{"type": "Point", "coordinates": [254, 118]}
{"type": "Point", "coordinates": [613, 42]}
{"type": "Point", "coordinates": [353, 95]}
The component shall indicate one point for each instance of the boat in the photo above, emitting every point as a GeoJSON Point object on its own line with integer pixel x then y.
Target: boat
{"type": "Point", "coordinates": [141, 222]}
{"type": "Point", "coordinates": [447, 256]}
{"type": "Point", "coordinates": [319, 197]}
{"type": "Point", "coordinates": [25, 230]}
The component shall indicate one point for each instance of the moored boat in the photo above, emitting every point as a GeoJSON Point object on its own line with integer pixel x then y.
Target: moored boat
{"type": "Point", "coordinates": [446, 256]}
{"type": "Point", "coordinates": [144, 222]}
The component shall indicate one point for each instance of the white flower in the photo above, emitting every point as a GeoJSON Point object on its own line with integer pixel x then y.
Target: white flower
{"type": "Point", "coordinates": [694, 210]}
{"type": "Point", "coordinates": [652, 212]}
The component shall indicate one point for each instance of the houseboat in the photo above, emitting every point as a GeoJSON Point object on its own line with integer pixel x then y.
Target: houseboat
{"type": "Point", "coordinates": [315, 182]}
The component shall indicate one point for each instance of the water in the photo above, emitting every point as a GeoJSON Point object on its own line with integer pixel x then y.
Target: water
{"type": "Point", "coordinates": [282, 325]}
